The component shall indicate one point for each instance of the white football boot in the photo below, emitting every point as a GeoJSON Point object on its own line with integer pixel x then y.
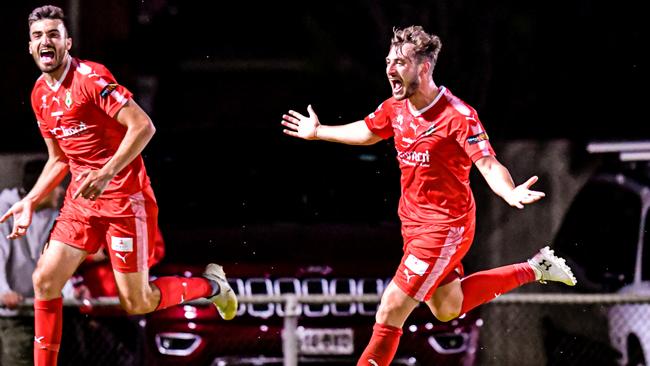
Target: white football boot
{"type": "Point", "coordinates": [549, 267]}
{"type": "Point", "coordinates": [225, 300]}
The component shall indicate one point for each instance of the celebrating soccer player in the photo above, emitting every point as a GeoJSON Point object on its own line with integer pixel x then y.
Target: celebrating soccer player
{"type": "Point", "coordinates": [95, 130]}
{"type": "Point", "coordinates": [437, 137]}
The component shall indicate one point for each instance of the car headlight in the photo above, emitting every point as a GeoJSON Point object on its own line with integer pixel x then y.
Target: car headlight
{"type": "Point", "coordinates": [177, 344]}
{"type": "Point", "coordinates": [447, 343]}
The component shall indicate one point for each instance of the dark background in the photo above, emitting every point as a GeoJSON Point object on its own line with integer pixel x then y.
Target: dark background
{"type": "Point", "coordinates": [217, 76]}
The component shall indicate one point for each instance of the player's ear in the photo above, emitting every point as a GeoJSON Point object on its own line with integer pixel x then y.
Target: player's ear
{"type": "Point", "coordinates": [29, 47]}
{"type": "Point", "coordinates": [68, 43]}
{"type": "Point", "coordinates": [426, 67]}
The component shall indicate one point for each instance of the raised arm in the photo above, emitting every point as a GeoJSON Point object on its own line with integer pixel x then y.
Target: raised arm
{"type": "Point", "coordinates": [500, 181]}
{"type": "Point", "coordinates": [53, 173]}
{"type": "Point", "coordinates": [139, 130]}
{"type": "Point", "coordinates": [309, 128]}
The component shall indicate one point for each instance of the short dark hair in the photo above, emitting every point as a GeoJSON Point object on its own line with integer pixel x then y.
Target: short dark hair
{"type": "Point", "coordinates": [47, 12]}
{"type": "Point", "coordinates": [426, 45]}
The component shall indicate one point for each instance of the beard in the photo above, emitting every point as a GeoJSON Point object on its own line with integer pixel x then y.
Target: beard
{"type": "Point", "coordinates": [408, 90]}
{"type": "Point", "coordinates": [49, 68]}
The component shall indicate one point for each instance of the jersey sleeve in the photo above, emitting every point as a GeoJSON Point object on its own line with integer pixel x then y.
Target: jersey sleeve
{"type": "Point", "coordinates": [471, 136]}
{"type": "Point", "coordinates": [379, 121]}
{"type": "Point", "coordinates": [101, 89]}
{"type": "Point", "coordinates": [36, 107]}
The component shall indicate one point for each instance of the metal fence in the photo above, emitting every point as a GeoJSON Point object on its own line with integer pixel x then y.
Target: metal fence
{"type": "Point", "coordinates": [516, 329]}
{"type": "Point", "coordinates": [559, 330]}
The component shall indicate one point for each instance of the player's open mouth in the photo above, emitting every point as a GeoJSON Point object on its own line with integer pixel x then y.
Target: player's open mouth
{"type": "Point", "coordinates": [396, 85]}
{"type": "Point", "coordinates": [47, 55]}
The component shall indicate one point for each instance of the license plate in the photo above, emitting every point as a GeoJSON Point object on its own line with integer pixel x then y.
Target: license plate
{"type": "Point", "coordinates": [315, 341]}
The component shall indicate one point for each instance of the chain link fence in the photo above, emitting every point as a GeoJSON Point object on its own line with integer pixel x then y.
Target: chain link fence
{"type": "Point", "coordinates": [516, 330]}
{"type": "Point", "coordinates": [565, 330]}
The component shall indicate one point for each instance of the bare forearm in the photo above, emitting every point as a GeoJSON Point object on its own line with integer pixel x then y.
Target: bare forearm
{"type": "Point", "coordinates": [356, 133]}
{"type": "Point", "coordinates": [496, 175]}
{"type": "Point", "coordinates": [500, 180]}
{"type": "Point", "coordinates": [54, 171]}
{"type": "Point", "coordinates": [134, 142]}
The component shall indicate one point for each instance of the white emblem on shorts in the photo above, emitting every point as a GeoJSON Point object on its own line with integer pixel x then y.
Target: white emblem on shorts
{"type": "Point", "coordinates": [39, 339]}
{"type": "Point", "coordinates": [416, 265]}
{"type": "Point", "coordinates": [121, 244]}
{"type": "Point", "coordinates": [122, 257]}
{"type": "Point", "coordinates": [372, 362]}
{"type": "Point", "coordinates": [408, 276]}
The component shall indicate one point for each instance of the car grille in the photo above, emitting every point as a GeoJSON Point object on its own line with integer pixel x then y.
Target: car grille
{"type": "Point", "coordinates": [308, 286]}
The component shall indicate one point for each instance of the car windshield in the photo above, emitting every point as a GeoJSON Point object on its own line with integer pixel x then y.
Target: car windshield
{"type": "Point", "coordinates": [599, 235]}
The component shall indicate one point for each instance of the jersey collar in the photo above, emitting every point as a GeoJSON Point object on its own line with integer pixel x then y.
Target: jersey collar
{"type": "Point", "coordinates": [58, 83]}
{"type": "Point", "coordinates": [420, 112]}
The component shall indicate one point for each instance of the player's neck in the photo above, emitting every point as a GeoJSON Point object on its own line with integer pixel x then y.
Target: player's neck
{"type": "Point", "coordinates": [425, 95]}
{"type": "Point", "coordinates": [53, 77]}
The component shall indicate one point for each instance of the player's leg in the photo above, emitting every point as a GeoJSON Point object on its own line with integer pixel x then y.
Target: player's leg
{"type": "Point", "coordinates": [139, 296]}
{"type": "Point", "coordinates": [56, 265]}
{"type": "Point", "coordinates": [459, 296]}
{"type": "Point", "coordinates": [129, 248]}
{"type": "Point", "coordinates": [455, 296]}
{"type": "Point", "coordinates": [481, 287]}
{"type": "Point", "coordinates": [430, 253]}
{"type": "Point", "coordinates": [394, 308]}
{"type": "Point", "coordinates": [447, 300]}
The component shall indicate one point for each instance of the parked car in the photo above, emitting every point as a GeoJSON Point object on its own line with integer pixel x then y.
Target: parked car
{"type": "Point", "coordinates": [604, 239]}
{"type": "Point", "coordinates": [302, 259]}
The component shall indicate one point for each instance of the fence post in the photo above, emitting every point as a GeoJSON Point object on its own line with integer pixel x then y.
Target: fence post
{"type": "Point", "coordinates": [289, 334]}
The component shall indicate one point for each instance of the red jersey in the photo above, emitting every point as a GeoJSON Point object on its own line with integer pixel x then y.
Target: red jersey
{"type": "Point", "coordinates": [436, 147]}
{"type": "Point", "coordinates": [79, 112]}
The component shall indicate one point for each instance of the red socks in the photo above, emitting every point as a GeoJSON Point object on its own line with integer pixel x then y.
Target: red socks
{"type": "Point", "coordinates": [481, 287]}
{"type": "Point", "coordinates": [48, 322]}
{"type": "Point", "coordinates": [478, 288]}
{"type": "Point", "coordinates": [176, 290]}
{"type": "Point", "coordinates": [382, 346]}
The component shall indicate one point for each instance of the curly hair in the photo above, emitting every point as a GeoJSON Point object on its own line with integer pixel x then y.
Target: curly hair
{"type": "Point", "coordinates": [427, 46]}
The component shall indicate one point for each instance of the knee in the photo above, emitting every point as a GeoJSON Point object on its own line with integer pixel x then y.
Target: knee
{"type": "Point", "coordinates": [447, 310]}
{"type": "Point", "coordinates": [445, 315]}
{"type": "Point", "coordinates": [391, 311]}
{"type": "Point", "coordinates": [44, 285]}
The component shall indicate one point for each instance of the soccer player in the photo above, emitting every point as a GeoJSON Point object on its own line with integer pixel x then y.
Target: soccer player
{"type": "Point", "coordinates": [437, 137]}
{"type": "Point", "coordinates": [95, 130]}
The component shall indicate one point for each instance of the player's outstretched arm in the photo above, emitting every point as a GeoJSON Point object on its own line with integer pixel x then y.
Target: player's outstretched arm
{"type": "Point", "coordinates": [309, 128]}
{"type": "Point", "coordinates": [500, 181]}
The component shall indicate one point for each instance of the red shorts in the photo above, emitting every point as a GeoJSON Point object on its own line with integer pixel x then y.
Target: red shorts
{"type": "Point", "coordinates": [126, 226]}
{"type": "Point", "coordinates": [432, 257]}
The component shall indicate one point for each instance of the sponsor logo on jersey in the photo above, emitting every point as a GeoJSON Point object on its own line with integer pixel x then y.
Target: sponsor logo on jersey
{"type": "Point", "coordinates": [121, 244]}
{"type": "Point", "coordinates": [414, 157]}
{"type": "Point", "coordinates": [64, 132]}
{"type": "Point", "coordinates": [416, 265]}
{"type": "Point", "coordinates": [107, 90]}
{"type": "Point", "coordinates": [477, 138]}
